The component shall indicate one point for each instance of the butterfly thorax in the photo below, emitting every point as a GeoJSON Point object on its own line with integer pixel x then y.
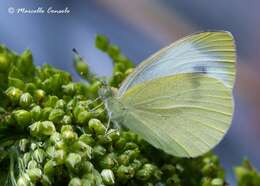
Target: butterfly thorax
{"type": "Point", "coordinates": [114, 107]}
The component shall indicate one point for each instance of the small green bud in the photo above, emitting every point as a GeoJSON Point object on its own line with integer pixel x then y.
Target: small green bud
{"type": "Point", "coordinates": [60, 104]}
{"type": "Point", "coordinates": [174, 180]}
{"type": "Point", "coordinates": [39, 95]}
{"type": "Point", "coordinates": [56, 115]}
{"type": "Point", "coordinates": [24, 180]}
{"type": "Point", "coordinates": [146, 172]}
{"type": "Point", "coordinates": [132, 154]}
{"type": "Point", "coordinates": [30, 87]}
{"type": "Point", "coordinates": [217, 182]}
{"type": "Point", "coordinates": [4, 62]}
{"type": "Point", "coordinates": [94, 87]}
{"type": "Point", "coordinates": [136, 164]}
{"type": "Point", "coordinates": [27, 157]}
{"type": "Point", "coordinates": [66, 120]}
{"type": "Point", "coordinates": [60, 156]}
{"type": "Point", "coordinates": [96, 127]}
{"type": "Point", "coordinates": [26, 100]}
{"type": "Point", "coordinates": [49, 168]}
{"type": "Point", "coordinates": [41, 129]}
{"type": "Point", "coordinates": [108, 177]}
{"type": "Point", "coordinates": [123, 159]}
{"type": "Point", "coordinates": [73, 160]}
{"type": "Point", "coordinates": [15, 82]}
{"type": "Point", "coordinates": [87, 167]}
{"type": "Point", "coordinates": [87, 182]}
{"type": "Point", "coordinates": [69, 136]}
{"type": "Point", "coordinates": [120, 143]}
{"type": "Point", "coordinates": [102, 42]}
{"type": "Point", "coordinates": [82, 149]}
{"type": "Point", "coordinates": [55, 138]}
{"type": "Point", "coordinates": [36, 113]}
{"type": "Point", "coordinates": [107, 162]}
{"type": "Point", "coordinates": [87, 139]}
{"type": "Point", "coordinates": [13, 94]}
{"type": "Point", "coordinates": [83, 117]}
{"type": "Point", "coordinates": [25, 63]}
{"type": "Point", "coordinates": [39, 155]}
{"type": "Point", "coordinates": [23, 118]}
{"type": "Point", "coordinates": [119, 67]}
{"type": "Point", "coordinates": [125, 172]}
{"type": "Point", "coordinates": [98, 151]}
{"type": "Point", "coordinates": [51, 101]}
{"type": "Point", "coordinates": [69, 89]}
{"type": "Point", "coordinates": [75, 182]}
{"type": "Point", "coordinates": [50, 151]}
{"type": "Point", "coordinates": [46, 112]}
{"type": "Point", "coordinates": [32, 164]}
{"type": "Point", "coordinates": [34, 174]}
{"type": "Point", "coordinates": [45, 181]}
{"type": "Point", "coordinates": [114, 134]}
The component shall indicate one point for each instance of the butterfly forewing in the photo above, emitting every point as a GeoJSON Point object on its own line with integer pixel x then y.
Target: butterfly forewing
{"type": "Point", "coordinates": [185, 115]}
{"type": "Point", "coordinates": [211, 53]}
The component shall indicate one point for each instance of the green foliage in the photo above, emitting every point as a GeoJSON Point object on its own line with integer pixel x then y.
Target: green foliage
{"type": "Point", "coordinates": [53, 132]}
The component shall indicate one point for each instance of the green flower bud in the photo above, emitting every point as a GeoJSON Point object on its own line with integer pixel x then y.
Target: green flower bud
{"type": "Point", "coordinates": [55, 138]}
{"type": "Point", "coordinates": [98, 151]}
{"type": "Point", "coordinates": [61, 145]}
{"type": "Point", "coordinates": [94, 87]}
{"type": "Point", "coordinates": [120, 143]}
{"type": "Point", "coordinates": [119, 67]}
{"type": "Point", "coordinates": [96, 127]}
{"type": "Point", "coordinates": [27, 157]}
{"type": "Point", "coordinates": [130, 145]}
{"type": "Point", "coordinates": [81, 67]}
{"type": "Point", "coordinates": [60, 104]}
{"type": "Point", "coordinates": [56, 115]}
{"type": "Point", "coordinates": [39, 155]}
{"type": "Point", "coordinates": [75, 182]}
{"type": "Point", "coordinates": [104, 139]}
{"type": "Point", "coordinates": [82, 149]}
{"type": "Point", "coordinates": [102, 42]}
{"type": "Point", "coordinates": [146, 172]}
{"type": "Point", "coordinates": [87, 139]}
{"type": "Point", "coordinates": [36, 113]}
{"type": "Point", "coordinates": [26, 100]}
{"type": "Point", "coordinates": [87, 167]}
{"type": "Point", "coordinates": [123, 159]}
{"type": "Point", "coordinates": [69, 136]}
{"type": "Point", "coordinates": [24, 180]}
{"type": "Point", "coordinates": [45, 181]}
{"type": "Point", "coordinates": [51, 101]}
{"type": "Point", "coordinates": [42, 129]}
{"type": "Point", "coordinates": [50, 168]}
{"type": "Point", "coordinates": [30, 87]}
{"type": "Point", "coordinates": [69, 89]}
{"type": "Point", "coordinates": [108, 177]}
{"type": "Point", "coordinates": [129, 136]}
{"type": "Point", "coordinates": [136, 164]}
{"type": "Point", "coordinates": [32, 164]}
{"type": "Point", "coordinates": [46, 112]}
{"type": "Point", "coordinates": [60, 156]}
{"type": "Point", "coordinates": [39, 95]}
{"type": "Point", "coordinates": [13, 94]}
{"type": "Point", "coordinates": [87, 182]}
{"type": "Point", "coordinates": [125, 173]}
{"type": "Point", "coordinates": [73, 161]}
{"type": "Point", "coordinates": [114, 134]}
{"type": "Point", "coordinates": [4, 62]}
{"type": "Point", "coordinates": [50, 151]}
{"type": "Point", "coordinates": [83, 117]}
{"type": "Point", "coordinates": [217, 182]}
{"type": "Point", "coordinates": [107, 162]}
{"type": "Point", "coordinates": [66, 120]}
{"type": "Point", "coordinates": [66, 128]}
{"type": "Point", "coordinates": [34, 174]}
{"type": "Point", "coordinates": [23, 118]}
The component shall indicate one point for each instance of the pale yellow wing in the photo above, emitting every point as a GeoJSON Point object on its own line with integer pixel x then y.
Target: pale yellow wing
{"type": "Point", "coordinates": [211, 53]}
{"type": "Point", "coordinates": [185, 115]}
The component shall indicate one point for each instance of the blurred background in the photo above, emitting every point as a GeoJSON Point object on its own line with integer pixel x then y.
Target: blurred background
{"type": "Point", "coordinates": [141, 27]}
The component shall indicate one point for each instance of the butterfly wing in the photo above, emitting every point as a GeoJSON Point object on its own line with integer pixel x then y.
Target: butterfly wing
{"type": "Point", "coordinates": [211, 53]}
{"type": "Point", "coordinates": [185, 115]}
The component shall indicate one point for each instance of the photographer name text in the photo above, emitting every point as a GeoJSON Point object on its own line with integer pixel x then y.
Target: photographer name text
{"type": "Point", "coordinates": [39, 10]}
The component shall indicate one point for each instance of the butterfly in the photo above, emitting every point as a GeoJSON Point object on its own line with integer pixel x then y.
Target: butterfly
{"type": "Point", "coordinates": [180, 99]}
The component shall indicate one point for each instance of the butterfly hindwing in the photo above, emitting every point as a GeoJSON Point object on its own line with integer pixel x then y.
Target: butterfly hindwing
{"type": "Point", "coordinates": [185, 115]}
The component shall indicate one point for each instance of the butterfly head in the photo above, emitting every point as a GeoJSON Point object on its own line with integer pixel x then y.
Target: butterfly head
{"type": "Point", "coordinates": [106, 92]}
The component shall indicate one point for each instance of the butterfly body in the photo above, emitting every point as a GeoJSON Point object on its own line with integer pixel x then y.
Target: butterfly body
{"type": "Point", "coordinates": [180, 99]}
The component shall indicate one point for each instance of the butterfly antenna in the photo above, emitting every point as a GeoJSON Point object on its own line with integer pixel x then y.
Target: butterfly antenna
{"type": "Point", "coordinates": [98, 106]}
